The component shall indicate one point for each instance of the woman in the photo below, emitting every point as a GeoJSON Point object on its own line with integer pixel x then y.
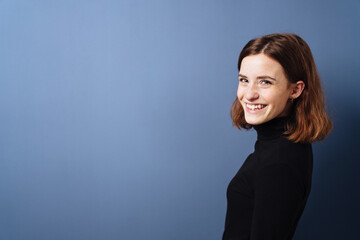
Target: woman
{"type": "Point", "coordinates": [280, 95]}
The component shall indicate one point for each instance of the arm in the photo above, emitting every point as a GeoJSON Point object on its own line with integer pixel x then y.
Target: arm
{"type": "Point", "coordinates": [279, 198]}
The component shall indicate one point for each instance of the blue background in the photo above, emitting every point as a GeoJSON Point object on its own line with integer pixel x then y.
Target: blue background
{"type": "Point", "coordinates": [115, 115]}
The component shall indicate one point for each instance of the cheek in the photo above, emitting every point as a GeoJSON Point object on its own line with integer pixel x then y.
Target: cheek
{"type": "Point", "coordinates": [240, 92]}
{"type": "Point", "coordinates": [277, 101]}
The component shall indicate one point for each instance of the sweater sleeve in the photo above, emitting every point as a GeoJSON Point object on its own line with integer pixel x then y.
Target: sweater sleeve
{"type": "Point", "coordinates": [279, 196]}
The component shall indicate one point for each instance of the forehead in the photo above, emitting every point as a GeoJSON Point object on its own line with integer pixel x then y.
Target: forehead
{"type": "Point", "coordinates": [261, 64]}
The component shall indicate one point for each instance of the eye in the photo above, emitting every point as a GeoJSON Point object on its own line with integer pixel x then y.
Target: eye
{"type": "Point", "coordinates": [243, 80]}
{"type": "Point", "coordinates": [265, 82]}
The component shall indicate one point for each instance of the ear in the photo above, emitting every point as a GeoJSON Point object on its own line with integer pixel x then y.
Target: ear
{"type": "Point", "coordinates": [296, 89]}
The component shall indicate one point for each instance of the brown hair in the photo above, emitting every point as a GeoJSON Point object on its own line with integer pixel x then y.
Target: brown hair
{"type": "Point", "coordinates": [308, 121]}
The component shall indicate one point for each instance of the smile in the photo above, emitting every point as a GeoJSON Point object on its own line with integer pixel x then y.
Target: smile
{"type": "Point", "coordinates": [255, 106]}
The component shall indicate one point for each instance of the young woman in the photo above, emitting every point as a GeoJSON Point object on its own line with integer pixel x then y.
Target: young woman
{"type": "Point", "coordinates": [280, 96]}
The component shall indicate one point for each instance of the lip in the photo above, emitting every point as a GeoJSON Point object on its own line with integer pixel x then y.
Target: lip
{"type": "Point", "coordinates": [255, 110]}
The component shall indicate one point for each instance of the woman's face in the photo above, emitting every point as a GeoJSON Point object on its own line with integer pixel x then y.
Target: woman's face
{"type": "Point", "coordinates": [263, 89]}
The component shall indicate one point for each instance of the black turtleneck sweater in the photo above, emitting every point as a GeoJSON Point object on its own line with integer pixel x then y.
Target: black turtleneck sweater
{"type": "Point", "coordinates": [268, 194]}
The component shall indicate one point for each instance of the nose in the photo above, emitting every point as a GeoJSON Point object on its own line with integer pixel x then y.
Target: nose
{"type": "Point", "coordinates": [251, 93]}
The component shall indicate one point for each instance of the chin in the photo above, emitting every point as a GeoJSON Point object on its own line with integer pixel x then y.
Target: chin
{"type": "Point", "coordinates": [252, 120]}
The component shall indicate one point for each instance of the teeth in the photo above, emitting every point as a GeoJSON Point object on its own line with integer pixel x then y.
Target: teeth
{"type": "Point", "coordinates": [256, 106]}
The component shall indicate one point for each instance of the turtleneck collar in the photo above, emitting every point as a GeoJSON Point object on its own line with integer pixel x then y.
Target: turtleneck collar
{"type": "Point", "coordinates": [271, 129]}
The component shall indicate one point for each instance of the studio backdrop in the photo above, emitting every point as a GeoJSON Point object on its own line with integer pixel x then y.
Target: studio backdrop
{"type": "Point", "coordinates": [115, 115]}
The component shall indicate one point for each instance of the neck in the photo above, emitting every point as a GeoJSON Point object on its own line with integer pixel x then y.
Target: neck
{"type": "Point", "coordinates": [271, 129]}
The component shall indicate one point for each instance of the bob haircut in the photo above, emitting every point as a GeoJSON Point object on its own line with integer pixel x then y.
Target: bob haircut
{"type": "Point", "coordinates": [308, 121]}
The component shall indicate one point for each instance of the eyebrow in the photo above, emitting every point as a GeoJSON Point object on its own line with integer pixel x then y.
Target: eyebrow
{"type": "Point", "coordinates": [259, 77]}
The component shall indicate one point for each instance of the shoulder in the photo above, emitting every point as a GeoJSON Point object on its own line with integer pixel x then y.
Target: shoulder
{"type": "Point", "coordinates": [286, 145]}
{"type": "Point", "coordinates": [281, 150]}
{"type": "Point", "coordinates": [299, 156]}
{"type": "Point", "coordinates": [282, 154]}
{"type": "Point", "coordinates": [290, 153]}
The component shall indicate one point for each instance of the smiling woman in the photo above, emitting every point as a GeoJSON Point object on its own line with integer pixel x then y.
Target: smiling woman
{"type": "Point", "coordinates": [261, 96]}
{"type": "Point", "coordinates": [280, 95]}
{"type": "Point", "coordinates": [307, 119]}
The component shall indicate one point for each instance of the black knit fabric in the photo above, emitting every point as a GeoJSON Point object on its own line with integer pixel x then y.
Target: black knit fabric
{"type": "Point", "coordinates": [267, 196]}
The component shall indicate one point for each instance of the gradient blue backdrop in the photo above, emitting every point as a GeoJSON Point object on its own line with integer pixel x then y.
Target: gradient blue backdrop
{"type": "Point", "coordinates": [115, 115]}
